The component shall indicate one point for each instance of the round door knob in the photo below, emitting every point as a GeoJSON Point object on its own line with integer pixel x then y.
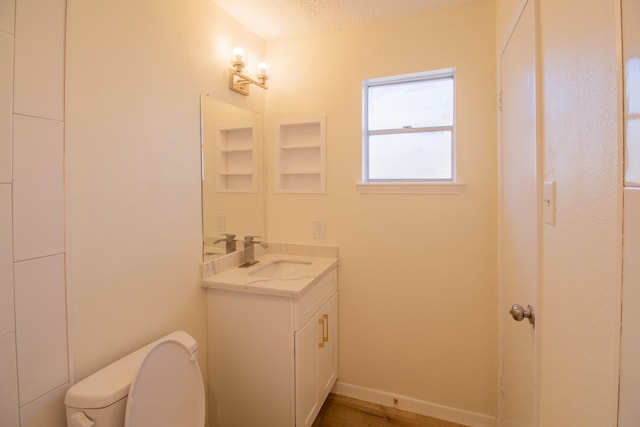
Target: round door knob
{"type": "Point", "coordinates": [519, 313]}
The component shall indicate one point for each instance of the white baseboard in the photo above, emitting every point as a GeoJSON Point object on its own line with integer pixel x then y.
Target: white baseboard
{"type": "Point", "coordinates": [416, 406]}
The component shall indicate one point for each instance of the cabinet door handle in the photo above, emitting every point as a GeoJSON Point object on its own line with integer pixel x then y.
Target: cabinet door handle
{"type": "Point", "coordinates": [321, 343]}
{"type": "Point", "coordinates": [325, 329]}
{"type": "Point", "coordinates": [325, 337]}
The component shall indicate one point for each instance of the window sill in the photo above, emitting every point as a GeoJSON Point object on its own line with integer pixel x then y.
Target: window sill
{"type": "Point", "coordinates": [410, 187]}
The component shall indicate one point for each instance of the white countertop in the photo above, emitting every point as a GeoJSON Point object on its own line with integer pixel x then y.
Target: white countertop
{"type": "Point", "coordinates": [242, 280]}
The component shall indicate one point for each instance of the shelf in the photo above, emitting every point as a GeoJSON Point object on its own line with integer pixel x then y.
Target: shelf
{"type": "Point", "coordinates": [301, 155]}
{"type": "Point", "coordinates": [236, 150]}
{"type": "Point", "coordinates": [298, 147]}
{"type": "Point", "coordinates": [236, 173]}
{"type": "Point", "coordinates": [236, 159]}
{"type": "Point", "coordinates": [301, 173]}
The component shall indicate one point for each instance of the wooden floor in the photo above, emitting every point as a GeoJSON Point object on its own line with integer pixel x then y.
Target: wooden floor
{"type": "Point", "coordinates": [341, 411]}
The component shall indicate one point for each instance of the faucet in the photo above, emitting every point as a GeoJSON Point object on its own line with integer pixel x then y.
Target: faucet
{"type": "Point", "coordinates": [249, 259]}
{"type": "Point", "coordinates": [230, 242]}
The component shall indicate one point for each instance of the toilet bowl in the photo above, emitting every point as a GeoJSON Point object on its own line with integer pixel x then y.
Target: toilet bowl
{"type": "Point", "coordinates": [158, 385]}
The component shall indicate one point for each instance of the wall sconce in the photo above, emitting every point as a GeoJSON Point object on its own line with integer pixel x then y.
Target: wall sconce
{"type": "Point", "coordinates": [239, 82]}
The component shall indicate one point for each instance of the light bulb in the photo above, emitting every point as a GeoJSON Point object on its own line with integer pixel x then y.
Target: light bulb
{"type": "Point", "coordinates": [262, 68]}
{"type": "Point", "coordinates": [238, 54]}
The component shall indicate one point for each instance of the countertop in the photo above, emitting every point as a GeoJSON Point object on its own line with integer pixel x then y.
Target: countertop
{"type": "Point", "coordinates": [234, 278]}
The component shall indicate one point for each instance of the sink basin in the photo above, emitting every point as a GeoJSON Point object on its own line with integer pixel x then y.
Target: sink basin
{"type": "Point", "coordinates": [282, 269]}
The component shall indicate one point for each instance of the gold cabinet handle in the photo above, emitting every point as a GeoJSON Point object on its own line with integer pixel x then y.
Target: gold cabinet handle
{"type": "Point", "coordinates": [321, 343]}
{"type": "Point", "coordinates": [325, 330]}
{"type": "Point", "coordinates": [325, 338]}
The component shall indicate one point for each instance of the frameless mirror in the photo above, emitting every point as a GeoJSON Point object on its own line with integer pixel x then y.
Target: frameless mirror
{"type": "Point", "coordinates": [232, 175]}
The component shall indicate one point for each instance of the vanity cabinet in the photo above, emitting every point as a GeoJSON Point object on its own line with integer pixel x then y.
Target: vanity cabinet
{"type": "Point", "coordinates": [272, 359]}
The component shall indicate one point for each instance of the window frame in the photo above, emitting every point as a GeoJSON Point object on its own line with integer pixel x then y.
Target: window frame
{"type": "Point", "coordinates": [429, 185]}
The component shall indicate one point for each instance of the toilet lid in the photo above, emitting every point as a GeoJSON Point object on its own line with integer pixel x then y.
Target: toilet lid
{"type": "Point", "coordinates": [167, 390]}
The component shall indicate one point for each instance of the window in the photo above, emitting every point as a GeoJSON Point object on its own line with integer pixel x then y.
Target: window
{"type": "Point", "coordinates": [408, 128]}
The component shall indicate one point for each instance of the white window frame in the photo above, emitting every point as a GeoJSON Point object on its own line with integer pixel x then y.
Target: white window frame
{"type": "Point", "coordinates": [409, 186]}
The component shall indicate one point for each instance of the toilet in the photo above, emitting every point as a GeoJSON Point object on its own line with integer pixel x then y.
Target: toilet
{"type": "Point", "coordinates": [158, 385]}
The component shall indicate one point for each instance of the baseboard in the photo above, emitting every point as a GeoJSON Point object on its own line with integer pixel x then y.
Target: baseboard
{"type": "Point", "coordinates": [416, 406]}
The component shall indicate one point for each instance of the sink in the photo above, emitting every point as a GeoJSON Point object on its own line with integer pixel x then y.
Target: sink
{"type": "Point", "coordinates": [282, 269]}
{"type": "Point", "coordinates": [284, 273]}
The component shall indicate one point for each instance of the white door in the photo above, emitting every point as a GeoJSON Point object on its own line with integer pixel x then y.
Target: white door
{"type": "Point", "coordinates": [306, 379]}
{"type": "Point", "coordinates": [328, 351]}
{"type": "Point", "coordinates": [518, 224]}
{"type": "Point", "coordinates": [316, 350]}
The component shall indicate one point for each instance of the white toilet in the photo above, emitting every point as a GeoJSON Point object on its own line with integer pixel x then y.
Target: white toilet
{"type": "Point", "coordinates": [159, 385]}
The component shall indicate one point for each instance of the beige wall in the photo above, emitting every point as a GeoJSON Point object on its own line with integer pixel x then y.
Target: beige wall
{"type": "Point", "coordinates": [135, 73]}
{"type": "Point", "coordinates": [578, 313]}
{"type": "Point", "coordinates": [417, 274]}
{"type": "Point", "coordinates": [507, 14]}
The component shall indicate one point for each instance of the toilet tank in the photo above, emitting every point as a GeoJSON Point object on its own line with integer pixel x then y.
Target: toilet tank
{"type": "Point", "coordinates": [102, 396]}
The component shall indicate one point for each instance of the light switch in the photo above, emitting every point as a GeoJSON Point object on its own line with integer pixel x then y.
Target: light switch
{"type": "Point", "coordinates": [549, 202]}
{"type": "Point", "coordinates": [317, 228]}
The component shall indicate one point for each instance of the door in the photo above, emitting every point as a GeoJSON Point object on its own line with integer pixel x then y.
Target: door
{"type": "Point", "coordinates": [316, 361]}
{"type": "Point", "coordinates": [628, 408]}
{"type": "Point", "coordinates": [518, 224]}
{"type": "Point", "coordinates": [306, 380]}
{"type": "Point", "coordinates": [328, 351]}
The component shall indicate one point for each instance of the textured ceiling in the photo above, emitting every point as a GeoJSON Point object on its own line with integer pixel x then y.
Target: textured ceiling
{"type": "Point", "coordinates": [273, 19]}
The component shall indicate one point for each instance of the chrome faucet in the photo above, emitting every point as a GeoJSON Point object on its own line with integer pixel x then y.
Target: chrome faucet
{"type": "Point", "coordinates": [230, 242]}
{"type": "Point", "coordinates": [249, 257]}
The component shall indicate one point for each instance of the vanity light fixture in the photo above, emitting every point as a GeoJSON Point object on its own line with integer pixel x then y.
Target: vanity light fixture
{"type": "Point", "coordinates": [239, 82]}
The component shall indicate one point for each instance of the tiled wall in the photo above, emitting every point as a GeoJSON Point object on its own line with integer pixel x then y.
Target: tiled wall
{"type": "Point", "coordinates": [33, 324]}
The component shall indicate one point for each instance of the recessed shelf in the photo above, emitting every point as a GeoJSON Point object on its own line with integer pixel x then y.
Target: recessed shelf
{"type": "Point", "coordinates": [301, 161]}
{"type": "Point", "coordinates": [236, 150]}
{"type": "Point", "coordinates": [236, 173]}
{"type": "Point", "coordinates": [299, 147]}
{"type": "Point", "coordinates": [299, 172]}
{"type": "Point", "coordinates": [236, 159]}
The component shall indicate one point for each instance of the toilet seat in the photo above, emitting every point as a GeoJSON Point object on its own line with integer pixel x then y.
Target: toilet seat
{"type": "Point", "coordinates": [168, 390]}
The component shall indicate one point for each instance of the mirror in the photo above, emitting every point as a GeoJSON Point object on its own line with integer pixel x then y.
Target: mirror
{"type": "Point", "coordinates": [232, 174]}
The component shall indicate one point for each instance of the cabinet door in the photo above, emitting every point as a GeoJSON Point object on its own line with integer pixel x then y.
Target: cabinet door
{"type": "Point", "coordinates": [316, 347]}
{"type": "Point", "coordinates": [307, 340]}
{"type": "Point", "coordinates": [327, 359]}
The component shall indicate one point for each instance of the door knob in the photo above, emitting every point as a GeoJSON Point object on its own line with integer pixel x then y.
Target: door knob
{"type": "Point", "coordinates": [519, 313]}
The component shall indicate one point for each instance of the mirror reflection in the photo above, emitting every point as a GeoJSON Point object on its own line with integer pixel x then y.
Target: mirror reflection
{"type": "Point", "coordinates": [232, 176]}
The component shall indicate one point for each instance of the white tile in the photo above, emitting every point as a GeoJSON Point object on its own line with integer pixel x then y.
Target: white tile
{"type": "Point", "coordinates": [7, 15]}
{"type": "Point", "coordinates": [38, 188]}
{"type": "Point", "coordinates": [6, 263]}
{"type": "Point", "coordinates": [41, 327]}
{"type": "Point", "coordinates": [6, 103]}
{"type": "Point", "coordinates": [9, 413]}
{"type": "Point", "coordinates": [39, 58]}
{"type": "Point", "coordinates": [48, 410]}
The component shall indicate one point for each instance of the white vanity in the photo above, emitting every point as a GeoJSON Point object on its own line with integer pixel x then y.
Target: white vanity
{"type": "Point", "coordinates": [273, 336]}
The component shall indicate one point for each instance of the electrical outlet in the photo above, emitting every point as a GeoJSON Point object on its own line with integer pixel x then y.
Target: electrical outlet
{"type": "Point", "coordinates": [220, 223]}
{"type": "Point", "coordinates": [317, 227]}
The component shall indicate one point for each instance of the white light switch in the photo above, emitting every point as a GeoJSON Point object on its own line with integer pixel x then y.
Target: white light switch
{"type": "Point", "coordinates": [549, 202]}
{"type": "Point", "coordinates": [317, 226]}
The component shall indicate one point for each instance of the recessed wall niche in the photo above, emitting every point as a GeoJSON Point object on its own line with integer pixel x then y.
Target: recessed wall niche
{"type": "Point", "coordinates": [301, 159]}
{"type": "Point", "coordinates": [236, 159]}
